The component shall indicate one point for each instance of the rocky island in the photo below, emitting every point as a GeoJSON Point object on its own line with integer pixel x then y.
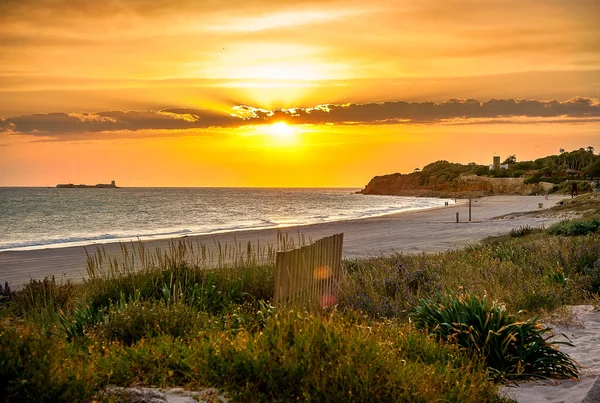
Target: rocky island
{"type": "Point", "coordinates": [111, 185]}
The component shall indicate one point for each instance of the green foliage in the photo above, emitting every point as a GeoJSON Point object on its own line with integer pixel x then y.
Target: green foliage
{"type": "Point", "coordinates": [446, 171]}
{"type": "Point", "coordinates": [38, 368]}
{"type": "Point", "coordinates": [207, 290]}
{"type": "Point", "coordinates": [208, 297]}
{"type": "Point", "coordinates": [512, 350]}
{"type": "Point", "coordinates": [536, 178]}
{"type": "Point", "coordinates": [40, 295]}
{"type": "Point", "coordinates": [557, 276]}
{"type": "Point", "coordinates": [339, 358]}
{"type": "Point", "coordinates": [6, 294]}
{"type": "Point", "coordinates": [512, 270]}
{"type": "Point", "coordinates": [575, 227]}
{"type": "Point", "coordinates": [137, 320]}
{"type": "Point", "coordinates": [81, 318]}
{"type": "Point", "coordinates": [521, 231]}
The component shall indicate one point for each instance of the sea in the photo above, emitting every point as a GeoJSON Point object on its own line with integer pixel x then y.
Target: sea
{"type": "Point", "coordinates": [38, 218]}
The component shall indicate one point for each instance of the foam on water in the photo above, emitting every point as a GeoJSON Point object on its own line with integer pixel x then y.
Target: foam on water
{"type": "Point", "coordinates": [37, 218]}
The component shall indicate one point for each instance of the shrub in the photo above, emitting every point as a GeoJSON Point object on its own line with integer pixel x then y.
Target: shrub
{"type": "Point", "coordinates": [343, 357]}
{"type": "Point", "coordinates": [39, 295]}
{"type": "Point", "coordinates": [557, 276]}
{"type": "Point", "coordinates": [138, 320]}
{"type": "Point", "coordinates": [575, 227]}
{"type": "Point", "coordinates": [5, 294]}
{"type": "Point", "coordinates": [212, 291]}
{"type": "Point", "coordinates": [81, 318]}
{"type": "Point", "coordinates": [36, 368]}
{"type": "Point", "coordinates": [512, 350]}
{"type": "Point", "coordinates": [521, 231]}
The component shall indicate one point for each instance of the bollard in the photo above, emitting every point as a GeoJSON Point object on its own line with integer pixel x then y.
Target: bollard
{"type": "Point", "coordinates": [457, 216]}
{"type": "Point", "coordinates": [540, 205]}
{"type": "Point", "coordinates": [469, 210]}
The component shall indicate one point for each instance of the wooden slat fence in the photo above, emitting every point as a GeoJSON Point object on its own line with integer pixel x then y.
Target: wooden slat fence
{"type": "Point", "coordinates": [309, 276]}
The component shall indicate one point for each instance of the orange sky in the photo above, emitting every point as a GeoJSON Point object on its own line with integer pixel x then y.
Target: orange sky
{"type": "Point", "coordinates": [193, 93]}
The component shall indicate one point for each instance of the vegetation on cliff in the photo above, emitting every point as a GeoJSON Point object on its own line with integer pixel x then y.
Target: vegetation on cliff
{"type": "Point", "coordinates": [443, 178]}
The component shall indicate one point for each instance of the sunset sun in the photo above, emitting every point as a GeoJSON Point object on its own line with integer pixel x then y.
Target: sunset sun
{"type": "Point", "coordinates": [282, 133]}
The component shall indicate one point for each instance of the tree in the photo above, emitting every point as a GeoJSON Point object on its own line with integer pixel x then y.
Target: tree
{"type": "Point", "coordinates": [594, 171]}
{"type": "Point", "coordinates": [512, 159]}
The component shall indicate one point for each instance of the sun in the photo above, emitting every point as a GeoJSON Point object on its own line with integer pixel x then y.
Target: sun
{"type": "Point", "coordinates": [282, 132]}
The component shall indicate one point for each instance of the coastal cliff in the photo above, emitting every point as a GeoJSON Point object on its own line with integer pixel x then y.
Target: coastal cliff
{"type": "Point", "coordinates": [421, 184]}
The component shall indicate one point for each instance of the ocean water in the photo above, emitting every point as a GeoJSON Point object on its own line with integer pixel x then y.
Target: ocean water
{"type": "Point", "coordinates": [34, 218]}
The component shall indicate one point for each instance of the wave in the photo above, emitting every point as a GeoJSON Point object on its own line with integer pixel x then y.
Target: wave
{"type": "Point", "coordinates": [301, 218]}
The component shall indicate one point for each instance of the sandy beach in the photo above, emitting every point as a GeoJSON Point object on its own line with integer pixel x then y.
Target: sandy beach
{"type": "Point", "coordinates": [584, 333]}
{"type": "Point", "coordinates": [430, 230]}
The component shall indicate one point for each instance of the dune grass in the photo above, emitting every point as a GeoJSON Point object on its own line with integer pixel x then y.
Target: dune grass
{"type": "Point", "coordinates": [177, 318]}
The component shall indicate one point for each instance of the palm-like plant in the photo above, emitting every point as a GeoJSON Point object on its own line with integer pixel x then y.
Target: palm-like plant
{"type": "Point", "coordinates": [512, 350]}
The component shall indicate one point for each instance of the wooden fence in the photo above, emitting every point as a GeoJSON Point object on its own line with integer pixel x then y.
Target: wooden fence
{"type": "Point", "coordinates": [309, 276]}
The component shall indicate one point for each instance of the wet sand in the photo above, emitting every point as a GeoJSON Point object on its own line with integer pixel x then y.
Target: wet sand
{"type": "Point", "coordinates": [431, 230]}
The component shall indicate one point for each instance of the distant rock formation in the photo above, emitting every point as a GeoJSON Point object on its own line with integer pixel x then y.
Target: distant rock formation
{"type": "Point", "coordinates": [417, 184]}
{"type": "Point", "coordinates": [111, 185]}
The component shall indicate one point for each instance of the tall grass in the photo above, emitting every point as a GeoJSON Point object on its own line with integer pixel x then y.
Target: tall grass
{"type": "Point", "coordinates": [135, 257]}
{"type": "Point", "coordinates": [513, 271]}
{"type": "Point", "coordinates": [296, 356]}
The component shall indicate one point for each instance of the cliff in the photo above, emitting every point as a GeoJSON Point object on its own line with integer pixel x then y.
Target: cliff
{"type": "Point", "coordinates": [421, 184]}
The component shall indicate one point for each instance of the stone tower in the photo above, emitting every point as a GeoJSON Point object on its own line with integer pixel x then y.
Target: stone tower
{"type": "Point", "coordinates": [496, 162]}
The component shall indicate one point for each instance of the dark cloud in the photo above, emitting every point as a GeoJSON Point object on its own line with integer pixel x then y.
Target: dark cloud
{"type": "Point", "coordinates": [168, 119]}
{"type": "Point", "coordinates": [430, 112]}
{"type": "Point", "coordinates": [575, 109]}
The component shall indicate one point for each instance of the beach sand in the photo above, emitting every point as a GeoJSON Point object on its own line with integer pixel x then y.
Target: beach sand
{"type": "Point", "coordinates": [584, 334]}
{"type": "Point", "coordinates": [429, 230]}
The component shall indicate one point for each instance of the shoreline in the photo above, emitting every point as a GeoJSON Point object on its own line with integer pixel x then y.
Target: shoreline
{"type": "Point", "coordinates": [415, 231]}
{"type": "Point", "coordinates": [181, 235]}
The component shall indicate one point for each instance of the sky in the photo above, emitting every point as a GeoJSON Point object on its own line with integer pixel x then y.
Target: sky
{"type": "Point", "coordinates": [288, 93]}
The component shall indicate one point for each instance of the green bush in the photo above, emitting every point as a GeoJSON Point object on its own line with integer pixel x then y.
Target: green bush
{"type": "Point", "coordinates": [211, 291]}
{"type": "Point", "coordinates": [40, 295]}
{"type": "Point", "coordinates": [37, 368]}
{"type": "Point", "coordinates": [81, 318]}
{"type": "Point", "coordinates": [575, 227]}
{"type": "Point", "coordinates": [343, 357]}
{"type": "Point", "coordinates": [521, 231]}
{"type": "Point", "coordinates": [138, 320]}
{"type": "Point", "coordinates": [512, 350]}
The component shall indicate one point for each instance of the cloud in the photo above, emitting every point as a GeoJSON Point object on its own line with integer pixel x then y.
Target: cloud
{"type": "Point", "coordinates": [167, 119]}
{"type": "Point", "coordinates": [467, 110]}
{"type": "Point", "coordinates": [430, 112]}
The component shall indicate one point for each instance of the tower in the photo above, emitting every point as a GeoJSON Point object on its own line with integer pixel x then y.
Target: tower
{"type": "Point", "coordinates": [496, 162]}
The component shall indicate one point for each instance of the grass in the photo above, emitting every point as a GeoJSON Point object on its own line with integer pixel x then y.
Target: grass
{"type": "Point", "coordinates": [575, 227]}
{"type": "Point", "coordinates": [518, 271]}
{"type": "Point", "coordinates": [184, 318]}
